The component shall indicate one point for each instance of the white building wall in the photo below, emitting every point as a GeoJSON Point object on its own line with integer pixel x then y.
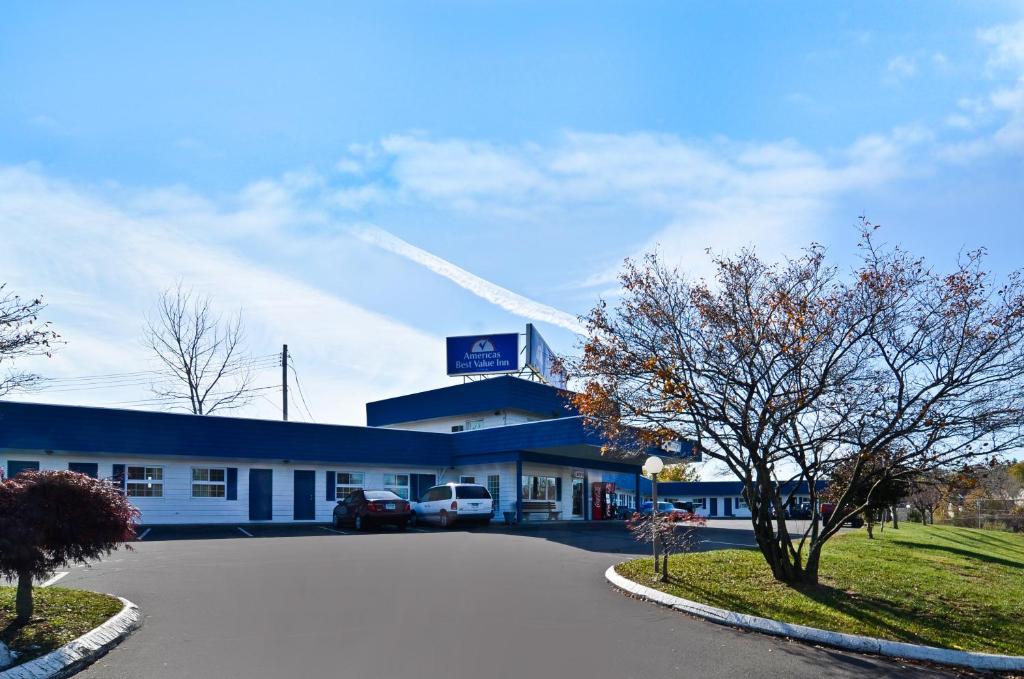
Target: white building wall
{"type": "Point", "coordinates": [177, 506]}
{"type": "Point", "coordinates": [443, 425]}
{"type": "Point", "coordinates": [506, 472]}
{"type": "Point", "coordinates": [702, 505]}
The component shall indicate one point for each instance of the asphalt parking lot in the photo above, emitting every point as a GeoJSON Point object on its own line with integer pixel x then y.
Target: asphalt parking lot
{"type": "Point", "coordinates": [298, 601]}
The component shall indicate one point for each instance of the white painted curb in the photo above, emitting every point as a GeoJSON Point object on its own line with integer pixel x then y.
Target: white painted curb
{"type": "Point", "coordinates": [74, 656]}
{"type": "Point", "coordinates": [851, 642]}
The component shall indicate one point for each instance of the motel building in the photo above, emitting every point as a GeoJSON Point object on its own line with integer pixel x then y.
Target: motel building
{"type": "Point", "coordinates": [718, 499]}
{"type": "Point", "coordinates": [518, 437]}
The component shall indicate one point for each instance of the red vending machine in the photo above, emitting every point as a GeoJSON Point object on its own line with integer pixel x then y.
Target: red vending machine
{"type": "Point", "coordinates": [601, 500]}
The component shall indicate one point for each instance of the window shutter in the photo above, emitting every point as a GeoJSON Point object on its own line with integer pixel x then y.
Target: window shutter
{"type": "Point", "coordinates": [119, 475]}
{"type": "Point", "coordinates": [558, 488]}
{"type": "Point", "coordinates": [231, 492]}
{"type": "Point", "coordinates": [332, 487]}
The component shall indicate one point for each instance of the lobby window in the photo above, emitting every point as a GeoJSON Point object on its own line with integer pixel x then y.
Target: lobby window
{"type": "Point", "coordinates": [346, 482]}
{"type": "Point", "coordinates": [494, 488]}
{"type": "Point", "coordinates": [456, 428]}
{"type": "Point", "coordinates": [144, 482]}
{"type": "Point", "coordinates": [397, 484]}
{"type": "Point", "coordinates": [473, 425]}
{"type": "Point", "coordinates": [540, 488]}
{"type": "Point", "coordinates": [209, 482]}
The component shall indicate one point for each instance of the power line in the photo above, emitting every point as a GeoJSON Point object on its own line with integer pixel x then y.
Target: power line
{"type": "Point", "coordinates": [132, 379]}
{"type": "Point", "coordinates": [168, 399]}
{"type": "Point", "coordinates": [291, 364]}
{"type": "Point", "coordinates": [250, 361]}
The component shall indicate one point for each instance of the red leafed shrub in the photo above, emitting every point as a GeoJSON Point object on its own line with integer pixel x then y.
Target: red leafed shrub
{"type": "Point", "coordinates": [49, 519]}
{"type": "Point", "coordinates": [672, 533]}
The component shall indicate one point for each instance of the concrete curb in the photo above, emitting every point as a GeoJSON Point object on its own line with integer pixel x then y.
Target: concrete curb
{"type": "Point", "coordinates": [83, 651]}
{"type": "Point", "coordinates": [850, 642]}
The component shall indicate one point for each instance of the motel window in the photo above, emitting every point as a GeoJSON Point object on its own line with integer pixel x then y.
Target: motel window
{"type": "Point", "coordinates": [144, 481]}
{"type": "Point", "coordinates": [209, 482]}
{"type": "Point", "coordinates": [397, 484]}
{"type": "Point", "coordinates": [494, 488]}
{"type": "Point", "coordinates": [472, 425]}
{"type": "Point", "coordinates": [740, 502]}
{"type": "Point", "coordinates": [701, 502]}
{"type": "Point", "coordinates": [347, 482]}
{"type": "Point", "coordinates": [467, 479]}
{"type": "Point", "coordinates": [540, 488]}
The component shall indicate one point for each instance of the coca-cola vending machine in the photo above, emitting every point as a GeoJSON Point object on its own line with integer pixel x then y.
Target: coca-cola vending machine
{"type": "Point", "coordinates": [601, 500]}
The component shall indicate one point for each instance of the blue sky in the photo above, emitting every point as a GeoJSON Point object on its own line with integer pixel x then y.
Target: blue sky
{"type": "Point", "coordinates": [364, 179]}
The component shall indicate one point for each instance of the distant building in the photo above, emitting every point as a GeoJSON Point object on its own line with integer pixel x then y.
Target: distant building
{"type": "Point", "coordinates": [717, 498]}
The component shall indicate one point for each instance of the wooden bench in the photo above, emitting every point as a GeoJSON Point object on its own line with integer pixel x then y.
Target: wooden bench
{"type": "Point", "coordinates": [541, 507]}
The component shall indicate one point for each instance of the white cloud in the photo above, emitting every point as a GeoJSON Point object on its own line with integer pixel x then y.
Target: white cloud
{"type": "Point", "coordinates": [900, 68]}
{"type": "Point", "coordinates": [1006, 43]}
{"type": "Point", "coordinates": [720, 194]}
{"type": "Point", "coordinates": [996, 118]}
{"type": "Point", "coordinates": [495, 294]}
{"type": "Point", "coordinates": [102, 265]}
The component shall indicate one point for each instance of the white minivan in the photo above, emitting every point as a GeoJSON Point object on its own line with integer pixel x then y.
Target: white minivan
{"type": "Point", "coordinates": [454, 502]}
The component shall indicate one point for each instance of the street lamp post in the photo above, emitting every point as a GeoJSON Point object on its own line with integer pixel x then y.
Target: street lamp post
{"type": "Point", "coordinates": [654, 466]}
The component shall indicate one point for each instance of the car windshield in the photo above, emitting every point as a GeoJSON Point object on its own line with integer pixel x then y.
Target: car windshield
{"type": "Point", "coordinates": [472, 493]}
{"type": "Point", "coordinates": [381, 495]}
{"type": "Point", "coordinates": [665, 507]}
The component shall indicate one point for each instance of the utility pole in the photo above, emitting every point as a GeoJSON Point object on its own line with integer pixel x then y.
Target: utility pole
{"type": "Point", "coordinates": [284, 383]}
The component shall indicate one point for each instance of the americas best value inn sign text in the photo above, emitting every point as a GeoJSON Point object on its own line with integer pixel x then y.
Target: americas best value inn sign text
{"type": "Point", "coordinates": [475, 354]}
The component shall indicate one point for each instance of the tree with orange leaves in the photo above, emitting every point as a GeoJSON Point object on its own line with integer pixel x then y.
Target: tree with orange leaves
{"type": "Point", "coordinates": [787, 372]}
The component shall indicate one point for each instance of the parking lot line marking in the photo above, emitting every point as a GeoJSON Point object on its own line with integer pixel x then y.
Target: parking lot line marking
{"type": "Point", "coordinates": [143, 534]}
{"type": "Point", "coordinates": [243, 531]}
{"type": "Point", "coordinates": [55, 578]}
{"type": "Point", "coordinates": [339, 532]}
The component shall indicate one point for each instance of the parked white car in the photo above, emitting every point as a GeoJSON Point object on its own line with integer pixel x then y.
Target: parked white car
{"type": "Point", "coordinates": [450, 503]}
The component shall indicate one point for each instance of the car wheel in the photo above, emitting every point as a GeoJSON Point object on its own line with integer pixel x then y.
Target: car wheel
{"type": "Point", "coordinates": [414, 519]}
{"type": "Point", "coordinates": [335, 522]}
{"type": "Point", "coordinates": [444, 519]}
{"type": "Point", "coordinates": [359, 523]}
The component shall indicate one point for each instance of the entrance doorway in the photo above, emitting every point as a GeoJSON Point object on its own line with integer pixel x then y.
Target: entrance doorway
{"type": "Point", "coordinates": [577, 497]}
{"type": "Point", "coordinates": [261, 490]}
{"type": "Point", "coordinates": [713, 506]}
{"type": "Point", "coordinates": [728, 506]}
{"type": "Point", "coordinates": [305, 495]}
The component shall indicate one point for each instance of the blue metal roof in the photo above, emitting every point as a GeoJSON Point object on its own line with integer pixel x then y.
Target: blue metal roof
{"type": "Point", "coordinates": [496, 393]}
{"type": "Point", "coordinates": [76, 429]}
{"type": "Point", "coordinates": [103, 430]}
{"type": "Point", "coordinates": [566, 431]}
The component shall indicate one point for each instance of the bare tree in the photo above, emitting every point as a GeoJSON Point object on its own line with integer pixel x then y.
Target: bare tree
{"type": "Point", "coordinates": [21, 335]}
{"type": "Point", "coordinates": [201, 352]}
{"type": "Point", "coordinates": [784, 372]}
{"type": "Point", "coordinates": [927, 492]}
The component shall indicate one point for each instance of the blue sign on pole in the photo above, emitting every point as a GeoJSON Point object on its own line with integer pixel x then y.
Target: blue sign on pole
{"type": "Point", "coordinates": [481, 354]}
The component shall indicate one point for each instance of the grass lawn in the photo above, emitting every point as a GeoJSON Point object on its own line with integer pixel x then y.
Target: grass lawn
{"type": "Point", "coordinates": [937, 585]}
{"type": "Point", "coordinates": [61, 615]}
